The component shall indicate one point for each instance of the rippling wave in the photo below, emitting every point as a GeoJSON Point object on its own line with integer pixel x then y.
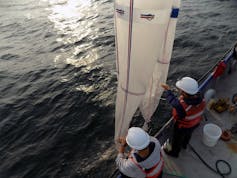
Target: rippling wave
{"type": "Point", "coordinates": [58, 80]}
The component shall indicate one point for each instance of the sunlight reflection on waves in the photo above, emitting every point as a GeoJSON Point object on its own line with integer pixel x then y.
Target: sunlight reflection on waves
{"type": "Point", "coordinates": [74, 20]}
{"type": "Point", "coordinates": [88, 59]}
{"type": "Point", "coordinates": [65, 16]}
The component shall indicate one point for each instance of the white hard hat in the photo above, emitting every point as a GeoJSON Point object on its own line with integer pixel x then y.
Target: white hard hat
{"type": "Point", "coordinates": [137, 138]}
{"type": "Point", "coordinates": [188, 85]}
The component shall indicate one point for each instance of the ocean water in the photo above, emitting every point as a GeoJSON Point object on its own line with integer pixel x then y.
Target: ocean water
{"type": "Point", "coordinates": [58, 80]}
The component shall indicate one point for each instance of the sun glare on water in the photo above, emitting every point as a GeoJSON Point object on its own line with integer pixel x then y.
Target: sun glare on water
{"type": "Point", "coordinates": [68, 8]}
{"type": "Point", "coordinates": [70, 18]}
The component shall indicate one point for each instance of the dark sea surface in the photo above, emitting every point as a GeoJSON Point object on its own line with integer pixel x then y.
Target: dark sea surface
{"type": "Point", "coordinates": [58, 80]}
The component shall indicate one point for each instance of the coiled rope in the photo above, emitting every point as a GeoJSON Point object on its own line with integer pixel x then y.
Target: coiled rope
{"type": "Point", "coordinates": [217, 170]}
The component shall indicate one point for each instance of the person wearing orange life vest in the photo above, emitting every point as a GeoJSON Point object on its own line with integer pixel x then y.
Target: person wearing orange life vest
{"type": "Point", "coordinates": [187, 113]}
{"type": "Point", "coordinates": [145, 160]}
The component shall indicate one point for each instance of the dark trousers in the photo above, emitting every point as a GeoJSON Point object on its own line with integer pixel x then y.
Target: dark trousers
{"type": "Point", "coordinates": [181, 138]}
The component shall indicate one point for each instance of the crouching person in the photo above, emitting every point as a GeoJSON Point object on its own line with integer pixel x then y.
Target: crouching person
{"type": "Point", "coordinates": [145, 159]}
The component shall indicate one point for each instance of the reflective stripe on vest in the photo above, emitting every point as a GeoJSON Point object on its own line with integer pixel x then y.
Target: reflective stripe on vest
{"type": "Point", "coordinates": [193, 114]}
{"type": "Point", "coordinates": [153, 172]}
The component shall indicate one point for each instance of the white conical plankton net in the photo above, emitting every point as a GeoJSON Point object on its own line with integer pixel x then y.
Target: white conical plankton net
{"type": "Point", "coordinates": [145, 33]}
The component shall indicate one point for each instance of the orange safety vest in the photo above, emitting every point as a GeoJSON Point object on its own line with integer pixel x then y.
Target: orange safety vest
{"type": "Point", "coordinates": [152, 172]}
{"type": "Point", "coordinates": [193, 114]}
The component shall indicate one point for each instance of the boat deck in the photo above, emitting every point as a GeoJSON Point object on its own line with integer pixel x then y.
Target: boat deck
{"type": "Point", "coordinates": [188, 165]}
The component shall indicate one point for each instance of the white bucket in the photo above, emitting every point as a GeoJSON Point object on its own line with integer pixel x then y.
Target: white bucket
{"type": "Point", "coordinates": [211, 134]}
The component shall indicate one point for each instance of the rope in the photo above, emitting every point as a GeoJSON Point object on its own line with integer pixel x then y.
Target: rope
{"type": "Point", "coordinates": [114, 173]}
{"type": "Point", "coordinates": [213, 67]}
{"type": "Point", "coordinates": [217, 170]}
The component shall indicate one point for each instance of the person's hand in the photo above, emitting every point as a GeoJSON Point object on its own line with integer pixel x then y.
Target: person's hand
{"type": "Point", "coordinates": [165, 86]}
{"type": "Point", "coordinates": [122, 141]}
{"type": "Point", "coordinates": [123, 144]}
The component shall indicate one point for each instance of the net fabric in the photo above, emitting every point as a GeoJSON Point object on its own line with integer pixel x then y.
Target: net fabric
{"type": "Point", "coordinates": [144, 41]}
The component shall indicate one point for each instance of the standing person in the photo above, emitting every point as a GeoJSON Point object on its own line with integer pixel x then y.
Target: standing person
{"type": "Point", "coordinates": [187, 113]}
{"type": "Point", "coordinates": [145, 160]}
